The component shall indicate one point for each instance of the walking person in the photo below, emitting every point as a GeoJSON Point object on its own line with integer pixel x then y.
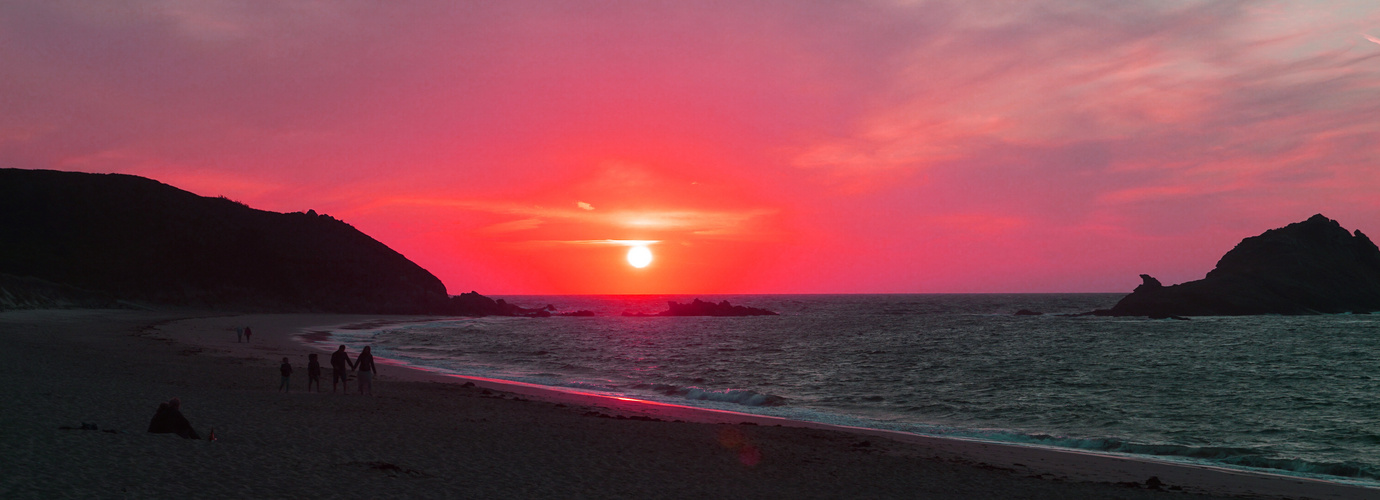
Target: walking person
{"type": "Point", "coordinates": [367, 370]}
{"type": "Point", "coordinates": [239, 334]}
{"type": "Point", "coordinates": [313, 373]}
{"type": "Point", "coordinates": [339, 361]}
{"type": "Point", "coordinates": [247, 333]}
{"type": "Point", "coordinates": [286, 369]}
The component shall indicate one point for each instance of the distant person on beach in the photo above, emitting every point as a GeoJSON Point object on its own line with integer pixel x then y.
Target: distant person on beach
{"type": "Point", "coordinates": [169, 420]}
{"type": "Point", "coordinates": [367, 370]}
{"type": "Point", "coordinates": [339, 360]}
{"type": "Point", "coordinates": [247, 333]}
{"type": "Point", "coordinates": [287, 375]}
{"type": "Point", "coordinates": [313, 373]}
{"type": "Point", "coordinates": [239, 334]}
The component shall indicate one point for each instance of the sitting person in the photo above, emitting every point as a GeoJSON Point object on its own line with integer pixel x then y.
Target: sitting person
{"type": "Point", "coordinates": [169, 419]}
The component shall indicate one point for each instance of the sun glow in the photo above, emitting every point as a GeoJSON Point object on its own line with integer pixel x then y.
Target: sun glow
{"type": "Point", "coordinates": [639, 256]}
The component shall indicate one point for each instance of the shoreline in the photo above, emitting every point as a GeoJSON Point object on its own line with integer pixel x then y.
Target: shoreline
{"type": "Point", "coordinates": [644, 408]}
{"type": "Point", "coordinates": [426, 434]}
{"type": "Point", "coordinates": [1192, 476]}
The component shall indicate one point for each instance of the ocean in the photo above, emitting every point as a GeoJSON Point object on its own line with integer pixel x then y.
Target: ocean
{"type": "Point", "coordinates": [1290, 395]}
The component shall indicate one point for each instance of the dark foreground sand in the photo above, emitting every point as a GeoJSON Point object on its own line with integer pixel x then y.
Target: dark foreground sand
{"type": "Point", "coordinates": [420, 438]}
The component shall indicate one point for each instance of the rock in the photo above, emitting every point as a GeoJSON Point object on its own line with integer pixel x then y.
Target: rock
{"type": "Point", "coordinates": [701, 308]}
{"type": "Point", "coordinates": [1309, 267]}
{"type": "Point", "coordinates": [474, 304]}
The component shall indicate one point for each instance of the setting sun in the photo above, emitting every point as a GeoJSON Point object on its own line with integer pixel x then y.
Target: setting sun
{"type": "Point", "coordinates": [639, 257]}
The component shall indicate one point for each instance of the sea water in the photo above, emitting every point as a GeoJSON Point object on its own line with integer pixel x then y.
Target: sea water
{"type": "Point", "coordinates": [1293, 395]}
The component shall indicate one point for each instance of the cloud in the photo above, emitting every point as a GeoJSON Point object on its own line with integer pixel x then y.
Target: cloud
{"type": "Point", "coordinates": [584, 206]}
{"type": "Point", "coordinates": [512, 226]}
{"type": "Point", "coordinates": [621, 243]}
{"type": "Point", "coordinates": [1371, 38]}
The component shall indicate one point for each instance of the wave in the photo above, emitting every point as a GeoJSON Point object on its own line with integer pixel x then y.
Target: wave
{"type": "Point", "coordinates": [736, 396]}
{"type": "Point", "coordinates": [1242, 457]}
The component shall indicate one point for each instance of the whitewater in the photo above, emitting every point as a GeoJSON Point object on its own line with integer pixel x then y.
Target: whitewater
{"type": "Point", "coordinates": [1282, 394]}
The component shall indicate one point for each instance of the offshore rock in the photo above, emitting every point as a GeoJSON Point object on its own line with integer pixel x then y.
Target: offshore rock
{"type": "Point", "coordinates": [1309, 267]}
{"type": "Point", "coordinates": [474, 304]}
{"type": "Point", "coordinates": [701, 308]}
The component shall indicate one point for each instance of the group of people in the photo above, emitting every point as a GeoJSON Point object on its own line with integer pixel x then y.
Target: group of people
{"type": "Point", "coordinates": [340, 361]}
{"type": "Point", "coordinates": [169, 418]}
{"type": "Point", "coordinates": [242, 334]}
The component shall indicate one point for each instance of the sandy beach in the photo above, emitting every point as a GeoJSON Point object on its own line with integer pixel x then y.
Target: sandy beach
{"type": "Point", "coordinates": [424, 435]}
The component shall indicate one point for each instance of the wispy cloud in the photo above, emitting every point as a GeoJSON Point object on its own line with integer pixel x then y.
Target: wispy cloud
{"type": "Point", "coordinates": [619, 243]}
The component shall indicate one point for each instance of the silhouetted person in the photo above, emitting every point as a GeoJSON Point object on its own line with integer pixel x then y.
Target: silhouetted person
{"type": "Point", "coordinates": [239, 334]}
{"type": "Point", "coordinates": [247, 333]}
{"type": "Point", "coordinates": [313, 373]}
{"type": "Point", "coordinates": [367, 370]}
{"type": "Point", "coordinates": [339, 361]}
{"type": "Point", "coordinates": [169, 420]}
{"type": "Point", "coordinates": [287, 375]}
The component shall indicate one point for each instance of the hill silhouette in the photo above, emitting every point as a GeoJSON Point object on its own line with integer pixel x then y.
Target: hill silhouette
{"type": "Point", "coordinates": [1309, 267]}
{"type": "Point", "coordinates": [133, 239]}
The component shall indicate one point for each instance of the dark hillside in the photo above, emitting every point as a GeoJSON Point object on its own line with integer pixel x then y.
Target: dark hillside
{"type": "Point", "coordinates": [140, 240]}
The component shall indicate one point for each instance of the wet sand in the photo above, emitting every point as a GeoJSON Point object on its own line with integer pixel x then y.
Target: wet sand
{"type": "Point", "coordinates": [424, 435]}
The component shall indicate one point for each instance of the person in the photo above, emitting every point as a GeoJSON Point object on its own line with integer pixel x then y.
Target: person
{"type": "Point", "coordinates": [247, 333]}
{"type": "Point", "coordinates": [313, 373]}
{"type": "Point", "coordinates": [367, 370]}
{"type": "Point", "coordinates": [339, 360]}
{"type": "Point", "coordinates": [169, 420]}
{"type": "Point", "coordinates": [239, 334]}
{"type": "Point", "coordinates": [287, 375]}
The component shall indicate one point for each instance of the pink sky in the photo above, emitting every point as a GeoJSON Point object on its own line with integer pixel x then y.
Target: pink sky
{"type": "Point", "coordinates": [764, 147]}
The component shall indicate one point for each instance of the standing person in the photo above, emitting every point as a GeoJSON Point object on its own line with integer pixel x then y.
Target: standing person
{"type": "Point", "coordinates": [367, 370]}
{"type": "Point", "coordinates": [339, 360]}
{"type": "Point", "coordinates": [247, 333]}
{"type": "Point", "coordinates": [239, 334]}
{"type": "Point", "coordinates": [313, 373]}
{"type": "Point", "coordinates": [287, 375]}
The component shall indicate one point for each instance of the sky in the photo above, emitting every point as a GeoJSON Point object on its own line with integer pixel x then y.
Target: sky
{"type": "Point", "coordinates": [515, 147]}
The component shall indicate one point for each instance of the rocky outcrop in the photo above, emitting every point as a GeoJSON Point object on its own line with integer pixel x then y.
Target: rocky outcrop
{"type": "Point", "coordinates": [1309, 267]}
{"type": "Point", "coordinates": [701, 308]}
{"type": "Point", "coordinates": [474, 304]}
{"type": "Point", "coordinates": [96, 238]}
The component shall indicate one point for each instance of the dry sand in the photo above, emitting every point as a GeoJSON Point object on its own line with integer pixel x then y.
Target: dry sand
{"type": "Point", "coordinates": [424, 435]}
